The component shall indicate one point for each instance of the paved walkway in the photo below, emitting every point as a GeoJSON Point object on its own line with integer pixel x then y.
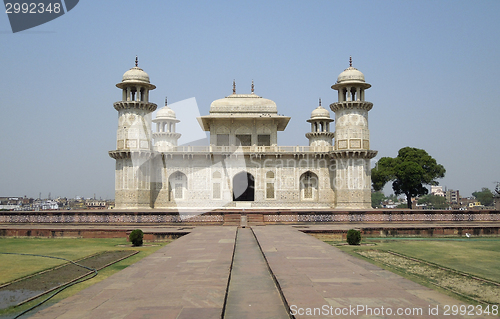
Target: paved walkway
{"type": "Point", "coordinates": [252, 292]}
{"type": "Point", "coordinates": [188, 279]}
{"type": "Point", "coordinates": [185, 279]}
{"type": "Point", "coordinates": [313, 274]}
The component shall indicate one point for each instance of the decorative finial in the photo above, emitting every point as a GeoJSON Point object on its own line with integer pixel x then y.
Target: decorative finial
{"type": "Point", "coordinates": [234, 87]}
{"type": "Point", "coordinates": [136, 61]}
{"type": "Point", "coordinates": [252, 87]}
{"type": "Point", "coordinates": [166, 101]}
{"type": "Point", "coordinates": [319, 101]}
{"type": "Point", "coordinates": [350, 61]}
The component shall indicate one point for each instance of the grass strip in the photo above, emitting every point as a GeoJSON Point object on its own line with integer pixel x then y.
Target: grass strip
{"type": "Point", "coordinates": [47, 281]}
{"type": "Point", "coordinates": [445, 268]}
{"type": "Point", "coordinates": [76, 279]}
{"type": "Point", "coordinates": [453, 281]}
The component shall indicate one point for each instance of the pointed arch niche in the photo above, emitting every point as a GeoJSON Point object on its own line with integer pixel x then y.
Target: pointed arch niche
{"type": "Point", "coordinates": [177, 183]}
{"type": "Point", "coordinates": [309, 186]}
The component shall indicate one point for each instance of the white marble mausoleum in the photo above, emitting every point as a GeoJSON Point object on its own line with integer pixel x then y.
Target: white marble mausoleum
{"type": "Point", "coordinates": [243, 166]}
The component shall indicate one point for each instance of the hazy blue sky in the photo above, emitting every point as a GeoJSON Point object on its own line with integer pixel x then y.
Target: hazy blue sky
{"type": "Point", "coordinates": [434, 67]}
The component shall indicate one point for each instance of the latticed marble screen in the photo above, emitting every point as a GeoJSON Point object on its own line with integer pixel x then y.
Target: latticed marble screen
{"type": "Point", "coordinates": [222, 139]}
{"type": "Point", "coordinates": [178, 191]}
{"type": "Point", "coordinates": [264, 140]}
{"type": "Point", "coordinates": [244, 139]}
{"type": "Point", "coordinates": [216, 191]}
{"type": "Point", "coordinates": [308, 190]}
{"type": "Point", "coordinates": [269, 190]}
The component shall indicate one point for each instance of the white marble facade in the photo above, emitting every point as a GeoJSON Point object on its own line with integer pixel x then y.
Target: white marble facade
{"type": "Point", "coordinates": [243, 167]}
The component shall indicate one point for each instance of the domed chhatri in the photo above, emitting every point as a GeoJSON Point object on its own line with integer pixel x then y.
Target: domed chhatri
{"type": "Point", "coordinates": [135, 75]}
{"type": "Point", "coordinates": [165, 112]}
{"type": "Point", "coordinates": [320, 135]}
{"type": "Point", "coordinates": [351, 74]}
{"type": "Point", "coordinates": [165, 136]}
{"type": "Point", "coordinates": [320, 112]}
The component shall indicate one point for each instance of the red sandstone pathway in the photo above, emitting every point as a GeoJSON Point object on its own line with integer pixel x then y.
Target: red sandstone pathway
{"type": "Point", "coordinates": [185, 279]}
{"type": "Point", "coordinates": [313, 274]}
{"type": "Point", "coordinates": [188, 279]}
{"type": "Point", "coordinates": [252, 292]}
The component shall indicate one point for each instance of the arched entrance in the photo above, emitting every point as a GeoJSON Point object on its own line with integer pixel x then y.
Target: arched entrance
{"type": "Point", "coordinates": [243, 187]}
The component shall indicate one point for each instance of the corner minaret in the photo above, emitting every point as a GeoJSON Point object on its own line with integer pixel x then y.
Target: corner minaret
{"type": "Point", "coordinates": [320, 134]}
{"type": "Point", "coordinates": [133, 140]}
{"type": "Point", "coordinates": [352, 141]}
{"type": "Point", "coordinates": [165, 137]}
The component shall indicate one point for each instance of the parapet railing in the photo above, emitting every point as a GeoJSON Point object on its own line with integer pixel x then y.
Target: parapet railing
{"type": "Point", "coordinates": [250, 149]}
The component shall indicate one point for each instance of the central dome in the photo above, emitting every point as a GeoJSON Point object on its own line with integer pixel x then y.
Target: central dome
{"type": "Point", "coordinates": [243, 103]}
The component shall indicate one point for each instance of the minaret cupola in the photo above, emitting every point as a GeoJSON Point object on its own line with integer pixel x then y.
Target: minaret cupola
{"type": "Point", "coordinates": [320, 134]}
{"type": "Point", "coordinates": [165, 137]}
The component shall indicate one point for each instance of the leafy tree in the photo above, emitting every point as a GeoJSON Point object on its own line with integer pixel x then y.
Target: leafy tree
{"type": "Point", "coordinates": [409, 171]}
{"type": "Point", "coordinates": [377, 198]}
{"type": "Point", "coordinates": [485, 196]}
{"type": "Point", "coordinates": [433, 201]}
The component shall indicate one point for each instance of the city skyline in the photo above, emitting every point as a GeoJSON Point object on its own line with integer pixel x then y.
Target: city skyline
{"type": "Point", "coordinates": [432, 67]}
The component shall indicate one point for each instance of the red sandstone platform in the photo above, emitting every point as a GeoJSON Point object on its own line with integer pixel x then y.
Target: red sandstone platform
{"type": "Point", "coordinates": [189, 277]}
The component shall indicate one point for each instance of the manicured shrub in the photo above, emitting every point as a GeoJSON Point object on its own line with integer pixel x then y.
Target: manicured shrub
{"type": "Point", "coordinates": [353, 237]}
{"type": "Point", "coordinates": [135, 237]}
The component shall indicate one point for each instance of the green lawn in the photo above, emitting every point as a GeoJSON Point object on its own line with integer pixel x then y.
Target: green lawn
{"type": "Point", "coordinates": [14, 266]}
{"type": "Point", "coordinates": [478, 256]}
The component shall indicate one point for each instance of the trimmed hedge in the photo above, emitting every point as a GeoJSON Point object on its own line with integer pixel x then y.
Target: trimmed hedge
{"type": "Point", "coordinates": [353, 237]}
{"type": "Point", "coordinates": [135, 237]}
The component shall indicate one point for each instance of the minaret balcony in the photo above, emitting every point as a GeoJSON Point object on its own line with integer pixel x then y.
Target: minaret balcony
{"type": "Point", "coordinates": [363, 105]}
{"type": "Point", "coordinates": [140, 105]}
{"type": "Point", "coordinates": [366, 154]}
{"type": "Point", "coordinates": [166, 134]}
{"type": "Point", "coordinates": [320, 134]}
{"type": "Point", "coordinates": [125, 154]}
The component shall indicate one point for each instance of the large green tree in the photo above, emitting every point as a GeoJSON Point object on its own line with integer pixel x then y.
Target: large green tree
{"type": "Point", "coordinates": [485, 196]}
{"type": "Point", "coordinates": [377, 198]}
{"type": "Point", "coordinates": [409, 172]}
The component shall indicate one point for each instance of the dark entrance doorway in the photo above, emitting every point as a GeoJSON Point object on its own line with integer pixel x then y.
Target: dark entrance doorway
{"type": "Point", "coordinates": [243, 187]}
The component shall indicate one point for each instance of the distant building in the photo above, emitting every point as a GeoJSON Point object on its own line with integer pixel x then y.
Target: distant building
{"type": "Point", "coordinates": [475, 205]}
{"type": "Point", "coordinates": [10, 203]}
{"type": "Point", "coordinates": [45, 204]}
{"type": "Point", "coordinates": [453, 196]}
{"type": "Point", "coordinates": [96, 204]}
{"type": "Point", "coordinates": [437, 191]}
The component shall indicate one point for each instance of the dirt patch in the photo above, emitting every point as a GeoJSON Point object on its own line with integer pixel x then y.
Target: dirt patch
{"type": "Point", "coordinates": [462, 284]}
{"type": "Point", "coordinates": [19, 291]}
